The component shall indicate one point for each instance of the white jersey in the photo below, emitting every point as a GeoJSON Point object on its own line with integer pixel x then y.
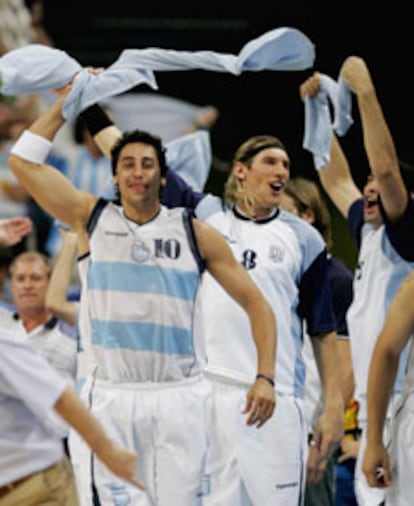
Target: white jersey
{"type": "Point", "coordinates": [287, 259]}
{"type": "Point", "coordinates": [142, 283]}
{"type": "Point", "coordinates": [55, 340]}
{"type": "Point", "coordinates": [29, 388]}
{"type": "Point", "coordinates": [379, 273]}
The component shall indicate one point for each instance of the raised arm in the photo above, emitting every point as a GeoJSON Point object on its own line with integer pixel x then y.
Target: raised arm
{"type": "Point", "coordinates": [335, 176]}
{"type": "Point", "coordinates": [104, 132]}
{"type": "Point", "coordinates": [47, 185]}
{"type": "Point", "coordinates": [378, 142]}
{"type": "Point", "coordinates": [224, 267]}
{"type": "Point", "coordinates": [397, 329]}
{"type": "Point", "coordinates": [57, 291]}
{"type": "Point", "coordinates": [337, 181]}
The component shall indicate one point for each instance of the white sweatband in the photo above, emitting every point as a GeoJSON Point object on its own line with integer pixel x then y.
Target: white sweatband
{"type": "Point", "coordinates": [32, 147]}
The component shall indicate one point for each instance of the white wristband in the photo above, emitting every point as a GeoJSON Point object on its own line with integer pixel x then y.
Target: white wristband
{"type": "Point", "coordinates": [32, 147]}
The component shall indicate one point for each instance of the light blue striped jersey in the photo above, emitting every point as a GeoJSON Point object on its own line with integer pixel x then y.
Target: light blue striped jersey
{"type": "Point", "coordinates": [142, 283]}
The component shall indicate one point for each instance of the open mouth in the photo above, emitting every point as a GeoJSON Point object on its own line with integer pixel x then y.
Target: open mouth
{"type": "Point", "coordinates": [371, 203]}
{"type": "Point", "coordinates": [276, 186]}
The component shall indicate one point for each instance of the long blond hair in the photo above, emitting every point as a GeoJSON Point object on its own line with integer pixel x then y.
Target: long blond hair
{"type": "Point", "coordinates": [234, 193]}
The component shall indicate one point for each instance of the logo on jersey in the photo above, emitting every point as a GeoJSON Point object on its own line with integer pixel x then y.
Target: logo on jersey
{"type": "Point", "coordinates": [276, 254]}
{"type": "Point", "coordinates": [139, 251]}
{"type": "Point", "coordinates": [163, 248]}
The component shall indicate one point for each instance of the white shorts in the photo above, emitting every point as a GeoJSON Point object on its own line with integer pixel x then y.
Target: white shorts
{"type": "Point", "coordinates": [250, 466]}
{"type": "Point", "coordinates": [366, 495]}
{"type": "Point", "coordinates": [401, 450]}
{"type": "Point", "coordinates": [166, 425]}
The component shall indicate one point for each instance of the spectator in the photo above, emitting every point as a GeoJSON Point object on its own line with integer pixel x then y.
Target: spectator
{"type": "Point", "coordinates": [31, 454]}
{"type": "Point", "coordinates": [29, 318]}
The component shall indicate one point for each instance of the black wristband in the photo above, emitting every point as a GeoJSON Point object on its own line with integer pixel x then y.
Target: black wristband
{"type": "Point", "coordinates": [267, 378]}
{"type": "Point", "coordinates": [95, 119]}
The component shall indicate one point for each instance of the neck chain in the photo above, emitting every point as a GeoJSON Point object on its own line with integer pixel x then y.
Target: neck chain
{"type": "Point", "coordinates": [140, 252]}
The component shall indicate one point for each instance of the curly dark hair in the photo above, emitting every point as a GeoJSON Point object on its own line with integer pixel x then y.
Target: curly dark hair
{"type": "Point", "coordinates": [144, 138]}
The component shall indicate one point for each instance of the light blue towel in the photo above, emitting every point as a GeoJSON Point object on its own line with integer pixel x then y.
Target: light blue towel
{"type": "Point", "coordinates": [35, 67]}
{"type": "Point", "coordinates": [89, 89]}
{"type": "Point", "coordinates": [319, 125]}
{"type": "Point", "coordinates": [278, 49]}
{"type": "Point", "coordinates": [190, 156]}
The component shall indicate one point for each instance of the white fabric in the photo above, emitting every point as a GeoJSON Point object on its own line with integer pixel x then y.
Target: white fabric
{"type": "Point", "coordinates": [281, 251]}
{"type": "Point", "coordinates": [166, 423]}
{"type": "Point", "coordinates": [254, 467]}
{"type": "Point", "coordinates": [32, 147]}
{"type": "Point", "coordinates": [141, 296]}
{"type": "Point", "coordinates": [58, 348]}
{"type": "Point", "coordinates": [29, 388]}
{"type": "Point", "coordinates": [366, 495]}
{"type": "Point", "coordinates": [401, 450]}
{"type": "Point", "coordinates": [379, 274]}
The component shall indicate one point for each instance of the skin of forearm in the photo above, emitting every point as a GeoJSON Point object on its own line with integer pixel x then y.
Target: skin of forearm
{"type": "Point", "coordinates": [71, 408]}
{"type": "Point", "coordinates": [379, 144]}
{"type": "Point", "coordinates": [347, 387]}
{"type": "Point", "coordinates": [262, 333]}
{"type": "Point", "coordinates": [327, 359]}
{"type": "Point", "coordinates": [48, 124]}
{"type": "Point", "coordinates": [61, 275]}
{"type": "Point", "coordinates": [380, 387]}
{"type": "Point", "coordinates": [106, 138]}
{"type": "Point", "coordinates": [346, 378]}
{"type": "Point", "coordinates": [337, 181]}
